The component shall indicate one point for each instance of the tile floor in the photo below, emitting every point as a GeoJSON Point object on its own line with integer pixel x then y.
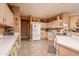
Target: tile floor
{"type": "Point", "coordinates": [34, 48]}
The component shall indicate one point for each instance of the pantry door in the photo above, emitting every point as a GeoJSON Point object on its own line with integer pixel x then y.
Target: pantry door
{"type": "Point", "coordinates": [25, 29]}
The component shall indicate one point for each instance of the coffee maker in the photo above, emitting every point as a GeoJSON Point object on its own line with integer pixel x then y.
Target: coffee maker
{"type": "Point", "coordinates": [9, 31]}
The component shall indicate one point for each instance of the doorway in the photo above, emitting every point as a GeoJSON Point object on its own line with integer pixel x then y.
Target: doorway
{"type": "Point", "coordinates": [25, 29]}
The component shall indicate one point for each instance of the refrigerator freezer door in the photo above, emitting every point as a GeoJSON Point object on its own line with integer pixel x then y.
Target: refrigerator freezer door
{"type": "Point", "coordinates": [36, 31]}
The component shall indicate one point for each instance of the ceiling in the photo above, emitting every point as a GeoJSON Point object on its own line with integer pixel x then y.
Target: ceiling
{"type": "Point", "coordinates": [46, 10]}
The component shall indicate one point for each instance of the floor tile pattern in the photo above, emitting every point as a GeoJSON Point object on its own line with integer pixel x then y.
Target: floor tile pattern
{"type": "Point", "coordinates": [34, 48]}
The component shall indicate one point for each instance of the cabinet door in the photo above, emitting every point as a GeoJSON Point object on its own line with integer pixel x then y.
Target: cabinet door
{"type": "Point", "coordinates": [11, 19]}
{"type": "Point", "coordinates": [4, 13]}
{"type": "Point", "coordinates": [1, 13]}
{"type": "Point", "coordinates": [7, 15]}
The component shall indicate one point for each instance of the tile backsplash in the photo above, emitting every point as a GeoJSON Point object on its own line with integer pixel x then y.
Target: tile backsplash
{"type": "Point", "coordinates": [2, 29]}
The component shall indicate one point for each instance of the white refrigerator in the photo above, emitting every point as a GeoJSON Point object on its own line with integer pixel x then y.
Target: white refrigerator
{"type": "Point", "coordinates": [36, 31]}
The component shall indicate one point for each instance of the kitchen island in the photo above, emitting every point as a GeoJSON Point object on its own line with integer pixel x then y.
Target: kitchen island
{"type": "Point", "coordinates": [7, 43]}
{"type": "Point", "coordinates": [67, 45]}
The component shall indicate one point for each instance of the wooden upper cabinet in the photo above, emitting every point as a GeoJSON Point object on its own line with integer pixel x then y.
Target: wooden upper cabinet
{"type": "Point", "coordinates": [7, 16]}
{"type": "Point", "coordinates": [4, 14]}
{"type": "Point", "coordinates": [73, 20]}
{"type": "Point", "coordinates": [1, 13]}
{"type": "Point", "coordinates": [10, 18]}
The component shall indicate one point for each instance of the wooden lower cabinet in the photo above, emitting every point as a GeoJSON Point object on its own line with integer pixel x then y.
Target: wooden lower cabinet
{"type": "Point", "coordinates": [63, 51]}
{"type": "Point", "coordinates": [16, 46]}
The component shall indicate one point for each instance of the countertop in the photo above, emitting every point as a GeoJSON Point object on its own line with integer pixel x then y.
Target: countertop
{"type": "Point", "coordinates": [6, 44]}
{"type": "Point", "coordinates": [68, 41]}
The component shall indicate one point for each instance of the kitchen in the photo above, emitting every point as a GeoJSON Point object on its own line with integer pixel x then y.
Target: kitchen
{"type": "Point", "coordinates": [29, 30]}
